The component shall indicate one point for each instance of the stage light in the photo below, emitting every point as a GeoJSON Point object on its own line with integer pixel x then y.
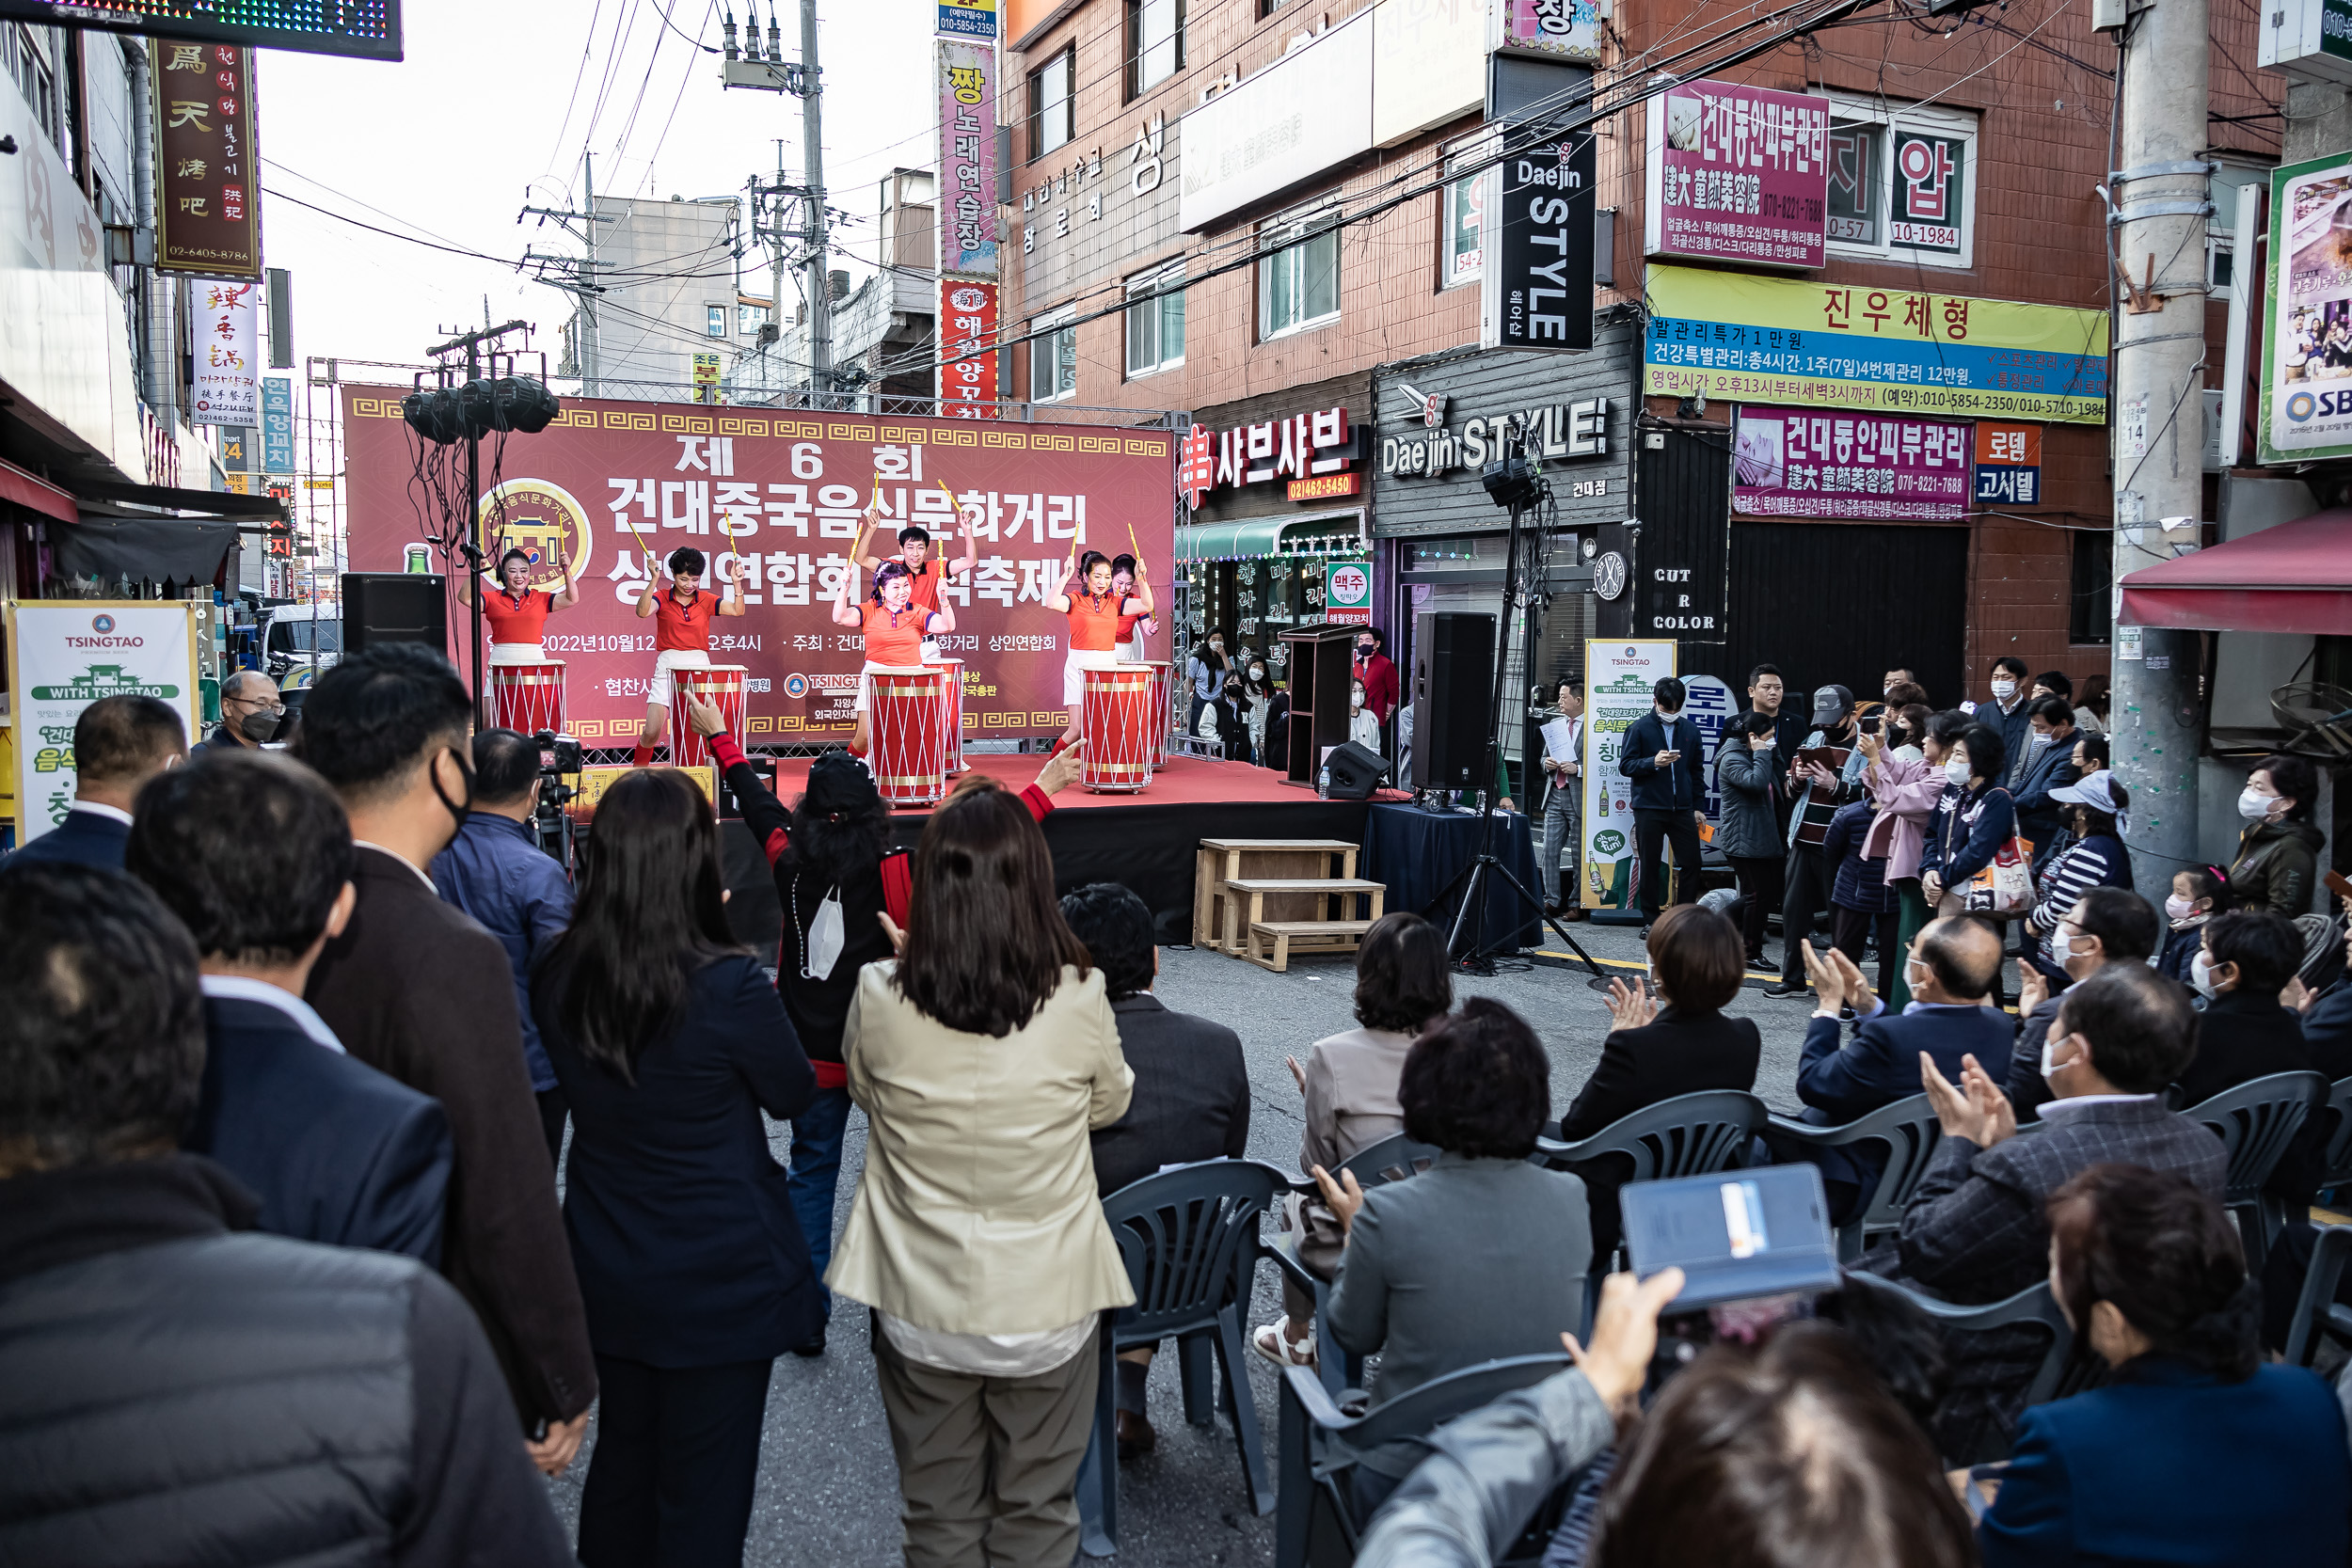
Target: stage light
{"type": "Point", "coordinates": [434, 414]}
{"type": "Point", "coordinates": [522, 404]}
{"type": "Point", "coordinates": [1511, 481]}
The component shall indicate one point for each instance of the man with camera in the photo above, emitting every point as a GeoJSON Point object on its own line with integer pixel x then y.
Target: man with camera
{"type": "Point", "coordinates": [496, 872]}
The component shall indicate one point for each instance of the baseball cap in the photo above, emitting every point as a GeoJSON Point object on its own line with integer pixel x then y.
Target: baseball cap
{"type": "Point", "coordinates": [1831, 704]}
{"type": "Point", "coordinates": [2095, 790]}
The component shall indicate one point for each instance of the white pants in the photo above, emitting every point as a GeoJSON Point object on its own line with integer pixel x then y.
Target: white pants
{"type": "Point", "coordinates": [865, 684]}
{"type": "Point", "coordinates": [1074, 683]}
{"type": "Point", "coordinates": [663, 691]}
{"type": "Point", "coordinates": [516, 653]}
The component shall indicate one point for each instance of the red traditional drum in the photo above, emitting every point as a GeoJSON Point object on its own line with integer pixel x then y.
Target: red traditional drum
{"type": "Point", "coordinates": [1163, 680]}
{"type": "Point", "coordinates": [951, 711]}
{"type": "Point", "coordinates": [910, 755]}
{"type": "Point", "coordinates": [527, 697]}
{"type": "Point", "coordinates": [1115, 715]}
{"type": "Point", "coordinates": [719, 684]}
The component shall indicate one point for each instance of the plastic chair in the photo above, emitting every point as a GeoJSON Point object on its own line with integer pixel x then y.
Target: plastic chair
{"type": "Point", "coordinates": [1908, 1130]}
{"type": "Point", "coordinates": [2257, 1121]}
{"type": "Point", "coordinates": [1321, 1446]}
{"type": "Point", "coordinates": [1189, 1237]}
{"type": "Point", "coordinates": [2061, 1374]}
{"type": "Point", "coordinates": [2316, 1311]}
{"type": "Point", "coordinates": [1394, 1158]}
{"type": "Point", "coordinates": [2339, 1158]}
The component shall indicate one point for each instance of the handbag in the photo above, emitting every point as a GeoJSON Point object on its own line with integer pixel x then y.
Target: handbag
{"type": "Point", "coordinates": [2005, 886]}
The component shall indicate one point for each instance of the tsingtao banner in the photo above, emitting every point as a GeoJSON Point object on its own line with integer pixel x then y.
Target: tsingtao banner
{"type": "Point", "coordinates": [64, 654]}
{"type": "Point", "coordinates": [1619, 680]}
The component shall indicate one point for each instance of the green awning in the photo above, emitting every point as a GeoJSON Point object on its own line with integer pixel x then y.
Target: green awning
{"type": "Point", "coordinates": [1229, 540]}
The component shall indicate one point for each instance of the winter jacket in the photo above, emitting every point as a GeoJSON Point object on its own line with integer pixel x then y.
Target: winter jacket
{"type": "Point", "coordinates": [1814, 807]}
{"type": "Point", "coordinates": [1748, 783]}
{"type": "Point", "coordinates": [1861, 884]}
{"type": "Point", "coordinates": [2098, 861]}
{"type": "Point", "coordinates": [2277, 864]}
{"type": "Point", "coordinates": [2037, 813]}
{"type": "Point", "coordinates": [1969, 828]}
{"type": "Point", "coordinates": [1680, 787]}
{"type": "Point", "coordinates": [1905, 790]}
{"type": "Point", "coordinates": [2181, 943]}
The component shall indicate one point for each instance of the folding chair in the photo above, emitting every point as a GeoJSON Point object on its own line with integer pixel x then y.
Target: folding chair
{"type": "Point", "coordinates": [1908, 1130]}
{"type": "Point", "coordinates": [2257, 1121]}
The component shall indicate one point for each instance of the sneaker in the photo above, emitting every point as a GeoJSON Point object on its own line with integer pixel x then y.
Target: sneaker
{"type": "Point", "coordinates": [1279, 1348]}
{"type": "Point", "coordinates": [1779, 990]}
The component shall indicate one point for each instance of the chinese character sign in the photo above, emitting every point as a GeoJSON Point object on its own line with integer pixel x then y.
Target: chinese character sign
{"type": "Point", "coordinates": [2008, 464]}
{"type": "Point", "coordinates": [779, 499]}
{"type": "Point", "coordinates": [208, 217]}
{"type": "Point", "coordinates": [968, 358]}
{"type": "Point", "coordinates": [1738, 174]}
{"type": "Point", "coordinates": [276, 424]}
{"type": "Point", "coordinates": [967, 158]}
{"type": "Point", "coordinates": [223, 339]}
{"type": "Point", "coordinates": [1862, 467]}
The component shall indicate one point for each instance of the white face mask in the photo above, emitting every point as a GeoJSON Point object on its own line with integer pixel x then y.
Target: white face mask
{"type": "Point", "coordinates": [1356, 700]}
{"type": "Point", "coordinates": [2177, 907]}
{"type": "Point", "coordinates": [825, 937]}
{"type": "Point", "coordinates": [2062, 943]}
{"type": "Point", "coordinates": [1957, 772]}
{"type": "Point", "coordinates": [2041, 742]}
{"type": "Point", "coordinates": [1257, 672]}
{"type": "Point", "coordinates": [2255, 806]}
{"type": "Point", "coordinates": [2004, 688]}
{"type": "Point", "coordinates": [2201, 977]}
{"type": "Point", "coordinates": [2049, 1066]}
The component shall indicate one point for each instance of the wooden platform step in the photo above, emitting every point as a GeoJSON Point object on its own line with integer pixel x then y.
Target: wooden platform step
{"type": "Point", "coordinates": [1278, 937]}
{"type": "Point", "coordinates": [1246, 912]}
{"type": "Point", "coordinates": [1220, 859]}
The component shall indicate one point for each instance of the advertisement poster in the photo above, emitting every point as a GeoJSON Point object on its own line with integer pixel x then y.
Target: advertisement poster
{"type": "Point", "coordinates": [1857, 468]}
{"type": "Point", "coordinates": [1786, 341]}
{"type": "Point", "coordinates": [780, 496]}
{"type": "Point", "coordinates": [2307, 333]}
{"type": "Point", "coordinates": [1710, 704]}
{"type": "Point", "coordinates": [967, 158]}
{"type": "Point", "coordinates": [2008, 464]}
{"type": "Point", "coordinates": [967, 18]}
{"type": "Point", "coordinates": [64, 654]}
{"type": "Point", "coordinates": [1620, 679]}
{"type": "Point", "coordinates": [222, 326]}
{"type": "Point", "coordinates": [968, 370]}
{"type": "Point", "coordinates": [1738, 174]}
{"type": "Point", "coordinates": [1568, 29]}
{"type": "Point", "coordinates": [1536, 288]}
{"type": "Point", "coordinates": [208, 217]}
{"type": "Point", "coordinates": [1348, 591]}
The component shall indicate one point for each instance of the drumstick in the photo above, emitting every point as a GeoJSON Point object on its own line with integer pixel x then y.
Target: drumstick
{"type": "Point", "coordinates": [954, 507]}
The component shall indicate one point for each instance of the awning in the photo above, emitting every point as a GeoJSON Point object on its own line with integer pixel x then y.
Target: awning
{"type": "Point", "coordinates": [29, 490]}
{"type": "Point", "coordinates": [1258, 537]}
{"type": "Point", "coordinates": [108, 497]}
{"type": "Point", "coordinates": [2293, 578]}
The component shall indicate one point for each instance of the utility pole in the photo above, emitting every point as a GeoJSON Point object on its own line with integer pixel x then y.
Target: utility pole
{"type": "Point", "coordinates": [747, 68]}
{"type": "Point", "coordinates": [2159, 200]}
{"type": "Point", "coordinates": [581, 284]}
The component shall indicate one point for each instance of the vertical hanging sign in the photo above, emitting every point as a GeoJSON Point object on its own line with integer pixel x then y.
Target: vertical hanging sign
{"type": "Point", "coordinates": [967, 352]}
{"type": "Point", "coordinates": [967, 158]}
{"type": "Point", "coordinates": [208, 210]}
{"type": "Point", "coordinates": [1536, 291]}
{"type": "Point", "coordinates": [224, 346]}
{"type": "Point", "coordinates": [276, 424]}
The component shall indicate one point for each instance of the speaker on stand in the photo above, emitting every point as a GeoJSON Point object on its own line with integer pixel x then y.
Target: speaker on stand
{"type": "Point", "coordinates": [1454, 659]}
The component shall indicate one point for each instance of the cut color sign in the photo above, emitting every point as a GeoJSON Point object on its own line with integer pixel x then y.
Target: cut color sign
{"type": "Point", "coordinates": [780, 497]}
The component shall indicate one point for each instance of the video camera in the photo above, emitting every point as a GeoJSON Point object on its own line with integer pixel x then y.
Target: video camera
{"type": "Point", "coordinates": [559, 758]}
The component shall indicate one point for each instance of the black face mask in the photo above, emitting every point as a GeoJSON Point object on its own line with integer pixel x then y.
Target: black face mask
{"type": "Point", "coordinates": [259, 726]}
{"type": "Point", "coordinates": [459, 810]}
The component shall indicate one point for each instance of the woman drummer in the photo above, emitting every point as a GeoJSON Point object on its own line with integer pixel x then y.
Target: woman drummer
{"type": "Point", "coordinates": [682, 613]}
{"type": "Point", "coordinates": [516, 611]}
{"type": "Point", "coordinates": [895, 626]}
{"type": "Point", "coordinates": [1095, 612]}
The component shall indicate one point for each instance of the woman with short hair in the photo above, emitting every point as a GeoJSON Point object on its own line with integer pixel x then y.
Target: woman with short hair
{"type": "Point", "coordinates": [2278, 852]}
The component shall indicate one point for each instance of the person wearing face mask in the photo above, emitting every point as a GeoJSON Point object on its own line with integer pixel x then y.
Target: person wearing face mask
{"type": "Point", "coordinates": [2098, 811]}
{"type": "Point", "coordinates": [1660, 754]}
{"type": "Point", "coordinates": [1818, 792]}
{"type": "Point", "coordinates": [1363, 728]}
{"type": "Point", "coordinates": [1260, 693]}
{"type": "Point", "coordinates": [120, 743]}
{"type": "Point", "coordinates": [250, 712]}
{"type": "Point", "coordinates": [2199, 894]}
{"type": "Point", "coordinates": [1377, 672]}
{"type": "Point", "coordinates": [1747, 782]}
{"type": "Point", "coordinates": [2278, 851]}
{"type": "Point", "coordinates": [1563, 800]}
{"type": "Point", "coordinates": [2047, 767]}
{"type": "Point", "coordinates": [1904, 775]}
{"type": "Point", "coordinates": [1972, 821]}
{"type": "Point", "coordinates": [2244, 1033]}
{"type": "Point", "coordinates": [414, 988]}
{"type": "Point", "coordinates": [2006, 713]}
{"type": "Point", "coordinates": [2106, 926]}
{"type": "Point", "coordinates": [1207, 675]}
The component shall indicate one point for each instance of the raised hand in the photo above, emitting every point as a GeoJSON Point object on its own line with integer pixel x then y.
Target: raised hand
{"type": "Point", "coordinates": [1631, 1007]}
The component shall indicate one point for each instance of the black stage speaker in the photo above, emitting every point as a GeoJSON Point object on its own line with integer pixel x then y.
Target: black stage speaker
{"type": "Point", "coordinates": [394, 607]}
{"type": "Point", "coordinates": [1454, 672]}
{"type": "Point", "coordinates": [1356, 772]}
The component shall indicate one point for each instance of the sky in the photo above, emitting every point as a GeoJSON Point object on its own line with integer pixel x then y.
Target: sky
{"type": "Point", "coordinates": [491, 111]}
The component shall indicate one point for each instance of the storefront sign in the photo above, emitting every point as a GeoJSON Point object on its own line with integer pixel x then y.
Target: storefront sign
{"type": "Point", "coordinates": [967, 370]}
{"type": "Point", "coordinates": [209, 219]}
{"type": "Point", "coordinates": [65, 656]}
{"type": "Point", "coordinates": [2307, 336]}
{"type": "Point", "coordinates": [967, 158]}
{"type": "Point", "coordinates": [223, 353]}
{"type": "Point", "coordinates": [1565, 29]}
{"type": "Point", "coordinates": [1620, 679]}
{"type": "Point", "coordinates": [1348, 591]}
{"type": "Point", "coordinates": [1302, 447]}
{"type": "Point", "coordinates": [276, 424]}
{"type": "Point", "coordinates": [1308, 111]}
{"type": "Point", "coordinates": [707, 370]}
{"type": "Point", "coordinates": [1556, 432]}
{"type": "Point", "coordinates": [1859, 468]}
{"type": "Point", "coordinates": [2008, 464]}
{"type": "Point", "coordinates": [967, 18]}
{"type": "Point", "coordinates": [1428, 65]}
{"type": "Point", "coordinates": [1326, 487]}
{"type": "Point", "coordinates": [1738, 174]}
{"type": "Point", "coordinates": [1767, 339]}
{"type": "Point", "coordinates": [1535, 289]}
{"type": "Point", "coordinates": [779, 495]}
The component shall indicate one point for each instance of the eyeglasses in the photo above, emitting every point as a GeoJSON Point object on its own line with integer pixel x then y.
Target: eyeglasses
{"type": "Point", "coordinates": [273, 705]}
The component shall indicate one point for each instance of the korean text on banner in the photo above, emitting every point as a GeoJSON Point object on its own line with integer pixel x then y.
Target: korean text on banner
{"type": "Point", "coordinates": [1738, 174]}
{"type": "Point", "coordinates": [276, 424]}
{"type": "Point", "coordinates": [2307, 335]}
{"type": "Point", "coordinates": [1569, 29]}
{"type": "Point", "coordinates": [1859, 468]}
{"type": "Point", "coordinates": [1782, 341]}
{"type": "Point", "coordinates": [967, 158]}
{"type": "Point", "coordinates": [226, 353]}
{"type": "Point", "coordinates": [779, 496]}
{"type": "Point", "coordinates": [967, 363]}
{"type": "Point", "coordinates": [209, 220]}
{"type": "Point", "coordinates": [1620, 679]}
{"type": "Point", "coordinates": [1348, 591]}
{"type": "Point", "coordinates": [1536, 288]}
{"type": "Point", "coordinates": [967, 18]}
{"type": "Point", "coordinates": [2008, 464]}
{"type": "Point", "coordinates": [66, 655]}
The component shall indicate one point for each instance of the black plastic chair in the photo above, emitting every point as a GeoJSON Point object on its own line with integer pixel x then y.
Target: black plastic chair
{"type": "Point", "coordinates": [1394, 1158]}
{"type": "Point", "coordinates": [1908, 1130]}
{"type": "Point", "coordinates": [2257, 1121]}
{"type": "Point", "coordinates": [1321, 1446]}
{"type": "Point", "coordinates": [2062, 1372]}
{"type": "Point", "coordinates": [1189, 1237]}
{"type": "Point", "coordinates": [2316, 1311]}
{"type": "Point", "coordinates": [2339, 1159]}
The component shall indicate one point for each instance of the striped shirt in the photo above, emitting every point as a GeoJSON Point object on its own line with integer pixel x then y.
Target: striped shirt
{"type": "Point", "coordinates": [2086, 864]}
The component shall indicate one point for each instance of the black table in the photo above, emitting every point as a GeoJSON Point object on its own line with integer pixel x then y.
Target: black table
{"type": "Point", "coordinates": [1418, 854]}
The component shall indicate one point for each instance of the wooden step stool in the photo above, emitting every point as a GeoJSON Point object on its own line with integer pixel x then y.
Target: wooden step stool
{"type": "Point", "coordinates": [1328, 931]}
{"type": "Point", "coordinates": [1220, 860]}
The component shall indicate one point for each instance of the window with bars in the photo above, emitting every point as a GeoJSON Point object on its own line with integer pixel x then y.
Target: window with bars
{"type": "Point", "coordinates": [1902, 183]}
{"type": "Point", "coordinates": [1298, 273]}
{"type": "Point", "coordinates": [1155, 320]}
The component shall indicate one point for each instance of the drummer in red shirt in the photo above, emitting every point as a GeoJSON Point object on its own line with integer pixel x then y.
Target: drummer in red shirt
{"type": "Point", "coordinates": [681, 634]}
{"type": "Point", "coordinates": [895, 627]}
{"type": "Point", "coordinates": [931, 573]}
{"type": "Point", "coordinates": [1133, 644]}
{"type": "Point", "coordinates": [1095, 613]}
{"type": "Point", "coordinates": [517, 613]}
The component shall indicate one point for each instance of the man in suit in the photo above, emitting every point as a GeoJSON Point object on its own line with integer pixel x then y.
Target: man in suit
{"type": "Point", "coordinates": [1951, 969]}
{"type": "Point", "coordinates": [2106, 926]}
{"type": "Point", "coordinates": [496, 872]}
{"type": "Point", "coordinates": [1662, 754]}
{"type": "Point", "coordinates": [1191, 1097]}
{"type": "Point", "coordinates": [1977, 1231]}
{"type": "Point", "coordinates": [2243, 1033]}
{"type": "Point", "coordinates": [1564, 790]}
{"type": "Point", "coordinates": [252, 853]}
{"type": "Point", "coordinates": [119, 744]}
{"type": "Point", "coordinates": [415, 987]}
{"type": "Point", "coordinates": [2048, 764]}
{"type": "Point", "coordinates": [251, 712]}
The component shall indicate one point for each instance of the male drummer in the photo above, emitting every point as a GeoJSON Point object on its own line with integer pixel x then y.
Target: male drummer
{"type": "Point", "coordinates": [517, 613]}
{"type": "Point", "coordinates": [1133, 644]}
{"type": "Point", "coordinates": [895, 627]}
{"type": "Point", "coordinates": [681, 634]}
{"type": "Point", "coordinates": [1094, 614]}
{"type": "Point", "coordinates": [930, 574]}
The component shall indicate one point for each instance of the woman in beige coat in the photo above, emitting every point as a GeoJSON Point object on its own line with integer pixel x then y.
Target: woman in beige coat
{"type": "Point", "coordinates": [982, 1056]}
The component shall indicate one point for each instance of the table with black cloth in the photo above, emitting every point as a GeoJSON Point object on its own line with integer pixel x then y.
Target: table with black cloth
{"type": "Point", "coordinates": [1418, 853]}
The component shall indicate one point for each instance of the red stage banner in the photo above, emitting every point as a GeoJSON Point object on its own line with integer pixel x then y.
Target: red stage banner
{"type": "Point", "coordinates": [781, 492]}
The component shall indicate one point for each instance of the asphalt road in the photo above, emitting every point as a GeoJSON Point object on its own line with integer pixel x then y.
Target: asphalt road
{"type": "Point", "coordinates": [828, 1487]}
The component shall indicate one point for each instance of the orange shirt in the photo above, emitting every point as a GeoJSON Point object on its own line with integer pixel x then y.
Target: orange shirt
{"type": "Point", "coordinates": [1127, 625]}
{"type": "Point", "coordinates": [927, 582]}
{"type": "Point", "coordinates": [1094, 624]}
{"type": "Point", "coordinates": [683, 625]}
{"type": "Point", "coordinates": [895, 639]}
{"type": "Point", "coordinates": [514, 620]}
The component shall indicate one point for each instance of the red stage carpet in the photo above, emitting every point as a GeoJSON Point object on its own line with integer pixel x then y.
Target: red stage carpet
{"type": "Point", "coordinates": [1182, 780]}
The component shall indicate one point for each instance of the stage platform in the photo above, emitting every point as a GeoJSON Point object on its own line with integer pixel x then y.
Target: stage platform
{"type": "Point", "coordinates": [1145, 840]}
